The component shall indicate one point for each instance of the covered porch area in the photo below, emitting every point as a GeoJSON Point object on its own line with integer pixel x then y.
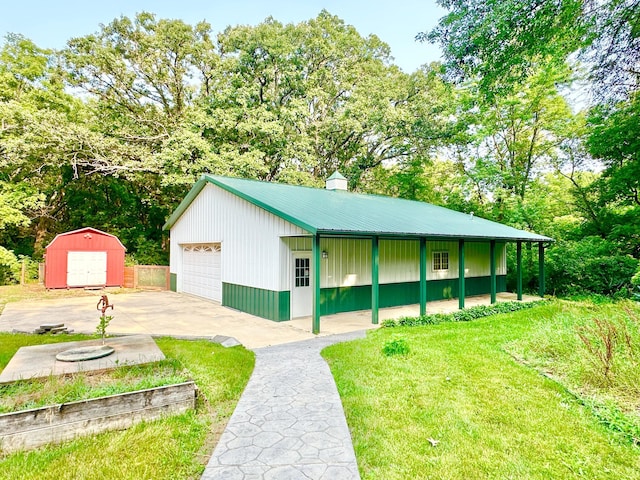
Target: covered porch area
{"type": "Point", "coordinates": [361, 320]}
{"type": "Point", "coordinates": [423, 266]}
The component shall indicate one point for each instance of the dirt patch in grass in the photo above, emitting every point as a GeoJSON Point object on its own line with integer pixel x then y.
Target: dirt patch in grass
{"type": "Point", "coordinates": [37, 292]}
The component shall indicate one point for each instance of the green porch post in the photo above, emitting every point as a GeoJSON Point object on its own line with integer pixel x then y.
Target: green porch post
{"type": "Point", "coordinates": [375, 294]}
{"type": "Point", "coordinates": [461, 273]}
{"type": "Point", "coordinates": [541, 268]}
{"type": "Point", "coordinates": [423, 276]}
{"type": "Point", "coordinates": [315, 268]}
{"type": "Point", "coordinates": [492, 269]}
{"type": "Point", "coordinates": [519, 269]}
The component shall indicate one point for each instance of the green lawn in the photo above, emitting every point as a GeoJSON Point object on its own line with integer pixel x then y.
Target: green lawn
{"type": "Point", "coordinates": [172, 448]}
{"type": "Point", "coordinates": [486, 414]}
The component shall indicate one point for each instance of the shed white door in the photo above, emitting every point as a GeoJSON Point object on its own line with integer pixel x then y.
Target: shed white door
{"type": "Point", "coordinates": [201, 272]}
{"type": "Point", "coordinates": [86, 268]}
{"type": "Point", "coordinates": [301, 285]}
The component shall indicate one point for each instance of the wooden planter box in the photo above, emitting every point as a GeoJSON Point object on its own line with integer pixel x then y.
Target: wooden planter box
{"type": "Point", "coordinates": [30, 429]}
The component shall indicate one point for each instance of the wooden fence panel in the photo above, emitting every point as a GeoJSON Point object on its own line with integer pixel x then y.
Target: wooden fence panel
{"type": "Point", "coordinates": [147, 276]}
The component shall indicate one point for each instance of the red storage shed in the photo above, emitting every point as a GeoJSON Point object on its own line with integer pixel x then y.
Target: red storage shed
{"type": "Point", "coordinates": [84, 258]}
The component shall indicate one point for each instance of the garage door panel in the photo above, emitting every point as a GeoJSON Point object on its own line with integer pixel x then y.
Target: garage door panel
{"type": "Point", "coordinates": [201, 270]}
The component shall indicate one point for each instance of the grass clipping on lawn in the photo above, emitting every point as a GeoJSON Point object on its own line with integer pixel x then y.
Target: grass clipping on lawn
{"type": "Point", "coordinates": [458, 406]}
{"type": "Point", "coordinates": [172, 448]}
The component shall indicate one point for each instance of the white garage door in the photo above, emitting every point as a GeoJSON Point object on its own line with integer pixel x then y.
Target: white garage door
{"type": "Point", "coordinates": [86, 269]}
{"type": "Point", "coordinates": [201, 273]}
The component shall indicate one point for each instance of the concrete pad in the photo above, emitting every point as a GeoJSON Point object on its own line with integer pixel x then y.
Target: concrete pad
{"type": "Point", "coordinates": [164, 313]}
{"type": "Point", "coordinates": [40, 360]}
{"type": "Point", "coordinates": [159, 313]}
{"type": "Point", "coordinates": [361, 320]}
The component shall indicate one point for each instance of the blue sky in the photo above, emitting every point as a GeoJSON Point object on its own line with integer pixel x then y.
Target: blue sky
{"type": "Point", "coordinates": [51, 23]}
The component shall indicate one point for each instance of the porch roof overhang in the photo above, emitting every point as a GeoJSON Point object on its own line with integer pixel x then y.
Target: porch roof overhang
{"type": "Point", "coordinates": [339, 213]}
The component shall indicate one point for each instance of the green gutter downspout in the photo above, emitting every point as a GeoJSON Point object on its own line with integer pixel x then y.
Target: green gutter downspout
{"type": "Point", "coordinates": [519, 269]}
{"type": "Point", "coordinates": [461, 273]}
{"type": "Point", "coordinates": [375, 294]}
{"type": "Point", "coordinates": [423, 276]}
{"type": "Point", "coordinates": [315, 268]}
{"type": "Point", "coordinates": [541, 268]}
{"type": "Point", "coordinates": [492, 269]}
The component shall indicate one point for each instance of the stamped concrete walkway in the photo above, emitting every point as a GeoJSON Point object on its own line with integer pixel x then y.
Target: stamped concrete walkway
{"type": "Point", "coordinates": [289, 422]}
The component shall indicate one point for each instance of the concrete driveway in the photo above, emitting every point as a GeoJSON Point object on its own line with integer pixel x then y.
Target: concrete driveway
{"type": "Point", "coordinates": [165, 313]}
{"type": "Point", "coordinates": [180, 315]}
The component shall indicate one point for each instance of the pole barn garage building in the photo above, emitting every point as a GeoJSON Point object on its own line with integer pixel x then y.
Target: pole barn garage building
{"type": "Point", "coordinates": [283, 251]}
{"type": "Point", "coordinates": [84, 258]}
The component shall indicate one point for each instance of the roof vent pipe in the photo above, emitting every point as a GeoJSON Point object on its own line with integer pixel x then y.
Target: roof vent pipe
{"type": "Point", "coordinates": [336, 182]}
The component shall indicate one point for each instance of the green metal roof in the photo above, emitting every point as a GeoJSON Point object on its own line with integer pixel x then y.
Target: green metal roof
{"type": "Point", "coordinates": [335, 212]}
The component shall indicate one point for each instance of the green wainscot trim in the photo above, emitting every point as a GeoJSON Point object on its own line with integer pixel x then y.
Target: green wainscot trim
{"type": "Point", "coordinates": [173, 282]}
{"type": "Point", "coordinates": [267, 304]}
{"type": "Point", "coordinates": [444, 289]}
{"type": "Point", "coordinates": [349, 299]}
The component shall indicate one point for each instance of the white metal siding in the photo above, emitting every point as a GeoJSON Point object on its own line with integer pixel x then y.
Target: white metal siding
{"type": "Point", "coordinates": [250, 237]}
{"type": "Point", "coordinates": [257, 246]}
{"type": "Point", "coordinates": [476, 259]}
{"type": "Point", "coordinates": [399, 261]}
{"type": "Point", "coordinates": [349, 260]}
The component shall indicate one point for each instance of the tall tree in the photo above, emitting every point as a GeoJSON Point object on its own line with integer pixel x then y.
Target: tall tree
{"type": "Point", "coordinates": [615, 139]}
{"type": "Point", "coordinates": [502, 42]}
{"type": "Point", "coordinates": [143, 72]}
{"type": "Point", "coordinates": [295, 102]}
{"type": "Point", "coordinates": [512, 139]}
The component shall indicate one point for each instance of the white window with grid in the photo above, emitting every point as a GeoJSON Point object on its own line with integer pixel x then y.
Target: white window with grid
{"type": "Point", "coordinates": [440, 261]}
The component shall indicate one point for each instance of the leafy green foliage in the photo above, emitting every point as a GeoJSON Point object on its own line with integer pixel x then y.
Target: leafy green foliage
{"type": "Point", "coordinates": [397, 346]}
{"type": "Point", "coordinates": [293, 103]}
{"type": "Point", "coordinates": [9, 267]}
{"type": "Point", "coordinates": [589, 265]}
{"type": "Point", "coordinates": [615, 420]}
{"type": "Point", "coordinates": [103, 323]}
{"type": "Point", "coordinates": [465, 315]}
{"type": "Point", "coordinates": [477, 38]}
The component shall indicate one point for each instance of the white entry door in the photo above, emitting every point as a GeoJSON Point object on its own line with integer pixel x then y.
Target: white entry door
{"type": "Point", "coordinates": [201, 270]}
{"type": "Point", "coordinates": [86, 269]}
{"type": "Point", "coordinates": [301, 285]}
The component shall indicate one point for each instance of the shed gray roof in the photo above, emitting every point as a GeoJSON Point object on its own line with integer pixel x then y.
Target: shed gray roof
{"type": "Point", "coordinates": [335, 212]}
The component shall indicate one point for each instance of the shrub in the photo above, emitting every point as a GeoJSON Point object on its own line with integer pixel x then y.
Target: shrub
{"type": "Point", "coordinates": [635, 281]}
{"type": "Point", "coordinates": [465, 315]}
{"type": "Point", "coordinates": [590, 265]}
{"type": "Point", "coordinates": [9, 267]}
{"type": "Point", "coordinates": [398, 346]}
